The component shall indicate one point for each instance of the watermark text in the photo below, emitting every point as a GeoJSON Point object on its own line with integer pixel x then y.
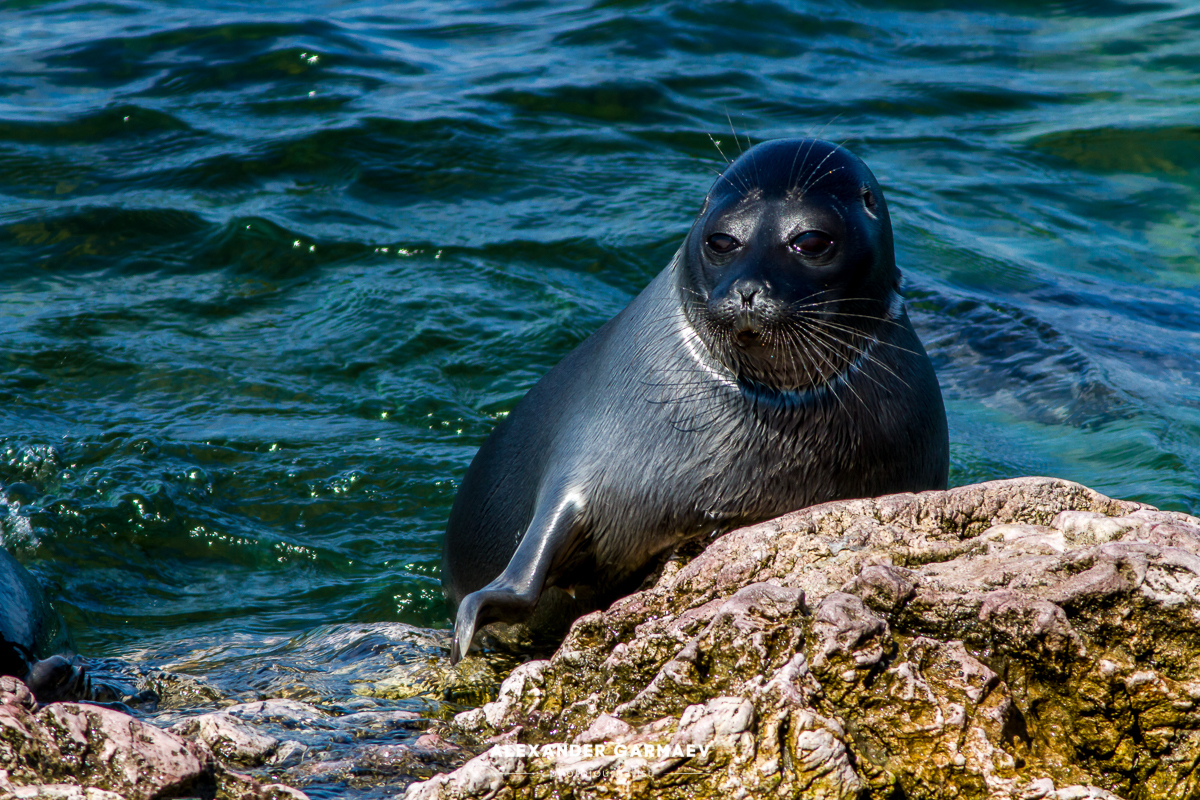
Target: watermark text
{"type": "Point", "coordinates": [601, 750]}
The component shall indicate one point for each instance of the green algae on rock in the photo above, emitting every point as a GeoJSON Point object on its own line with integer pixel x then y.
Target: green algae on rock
{"type": "Point", "coordinates": [1027, 638]}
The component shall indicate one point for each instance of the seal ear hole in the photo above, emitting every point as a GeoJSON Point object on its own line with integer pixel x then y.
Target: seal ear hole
{"type": "Point", "coordinates": [722, 243]}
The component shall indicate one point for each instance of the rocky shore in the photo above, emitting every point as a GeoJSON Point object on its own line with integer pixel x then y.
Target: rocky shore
{"type": "Point", "coordinates": [73, 750]}
{"type": "Point", "coordinates": [1016, 639]}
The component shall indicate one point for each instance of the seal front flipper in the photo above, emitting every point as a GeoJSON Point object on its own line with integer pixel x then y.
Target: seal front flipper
{"type": "Point", "coordinates": [512, 596]}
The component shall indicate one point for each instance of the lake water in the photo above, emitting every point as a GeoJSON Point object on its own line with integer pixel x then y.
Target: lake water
{"type": "Point", "coordinates": [269, 273]}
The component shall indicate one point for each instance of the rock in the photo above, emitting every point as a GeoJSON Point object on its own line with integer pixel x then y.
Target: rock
{"type": "Point", "coordinates": [100, 747]}
{"type": "Point", "coordinates": [54, 791]}
{"type": "Point", "coordinates": [289, 754]}
{"type": "Point", "coordinates": [90, 752]}
{"type": "Point", "coordinates": [378, 721]}
{"type": "Point", "coordinates": [231, 740]}
{"type": "Point", "coordinates": [289, 713]}
{"type": "Point", "coordinates": [1014, 639]}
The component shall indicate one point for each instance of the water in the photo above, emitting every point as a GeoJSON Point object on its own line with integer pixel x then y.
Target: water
{"type": "Point", "coordinates": [268, 276]}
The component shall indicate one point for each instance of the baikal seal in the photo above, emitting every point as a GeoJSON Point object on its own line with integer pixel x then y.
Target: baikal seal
{"type": "Point", "coordinates": [32, 636]}
{"type": "Point", "coordinates": [771, 366]}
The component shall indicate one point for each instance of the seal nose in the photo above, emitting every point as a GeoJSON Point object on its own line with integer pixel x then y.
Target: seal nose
{"type": "Point", "coordinates": [750, 291]}
{"type": "Point", "coordinates": [746, 316]}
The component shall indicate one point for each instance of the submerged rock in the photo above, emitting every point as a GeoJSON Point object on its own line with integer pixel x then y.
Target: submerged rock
{"type": "Point", "coordinates": [232, 740]}
{"type": "Point", "coordinates": [1015, 639]}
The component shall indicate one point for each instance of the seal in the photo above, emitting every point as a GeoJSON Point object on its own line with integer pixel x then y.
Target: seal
{"type": "Point", "coordinates": [32, 636]}
{"type": "Point", "coordinates": [771, 366]}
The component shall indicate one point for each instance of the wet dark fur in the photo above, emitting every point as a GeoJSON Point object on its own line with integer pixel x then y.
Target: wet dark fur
{"type": "Point", "coordinates": [31, 636]}
{"type": "Point", "coordinates": [735, 388]}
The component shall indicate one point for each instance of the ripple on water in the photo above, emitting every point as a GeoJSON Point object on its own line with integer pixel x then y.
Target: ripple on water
{"type": "Point", "coordinates": [268, 278]}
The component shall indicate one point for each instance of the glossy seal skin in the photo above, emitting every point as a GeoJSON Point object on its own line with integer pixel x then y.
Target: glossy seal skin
{"type": "Point", "coordinates": [31, 636]}
{"type": "Point", "coordinates": [769, 367]}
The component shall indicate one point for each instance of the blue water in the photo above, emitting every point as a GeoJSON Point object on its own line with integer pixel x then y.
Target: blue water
{"type": "Point", "coordinates": [269, 273]}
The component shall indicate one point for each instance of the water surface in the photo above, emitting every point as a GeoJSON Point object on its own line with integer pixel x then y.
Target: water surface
{"type": "Point", "coordinates": [270, 274]}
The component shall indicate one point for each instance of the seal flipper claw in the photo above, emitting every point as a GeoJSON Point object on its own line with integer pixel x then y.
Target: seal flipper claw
{"type": "Point", "coordinates": [464, 628]}
{"type": "Point", "coordinates": [488, 605]}
{"type": "Point", "coordinates": [514, 594]}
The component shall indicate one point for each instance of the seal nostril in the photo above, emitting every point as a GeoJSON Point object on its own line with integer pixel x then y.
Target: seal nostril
{"type": "Point", "coordinates": [748, 297]}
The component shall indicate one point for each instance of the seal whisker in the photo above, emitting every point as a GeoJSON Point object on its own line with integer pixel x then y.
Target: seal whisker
{"type": "Point", "coordinates": [823, 318]}
{"type": "Point", "coordinates": [733, 132]}
{"type": "Point", "coordinates": [834, 343]}
{"type": "Point", "coordinates": [877, 340]}
{"type": "Point", "coordinates": [825, 315]}
{"type": "Point", "coordinates": [792, 168]}
{"type": "Point", "coordinates": [823, 353]}
{"type": "Point", "coordinates": [717, 145]}
{"type": "Point", "coordinates": [852, 331]}
{"type": "Point", "coordinates": [797, 363]}
{"type": "Point", "coordinates": [832, 152]}
{"type": "Point", "coordinates": [806, 301]}
{"type": "Point", "coordinates": [877, 362]}
{"type": "Point", "coordinates": [815, 169]}
{"type": "Point", "coordinates": [872, 318]}
{"type": "Point", "coordinates": [822, 343]}
{"type": "Point", "coordinates": [807, 298]}
{"type": "Point", "coordinates": [831, 387]}
{"type": "Point", "coordinates": [793, 189]}
{"type": "Point", "coordinates": [819, 306]}
{"type": "Point", "coordinates": [820, 178]}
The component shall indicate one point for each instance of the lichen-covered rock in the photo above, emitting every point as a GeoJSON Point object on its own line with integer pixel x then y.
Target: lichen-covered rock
{"type": "Point", "coordinates": [1015, 639]}
{"type": "Point", "coordinates": [53, 791]}
{"type": "Point", "coordinates": [74, 750]}
{"type": "Point", "coordinates": [232, 740]}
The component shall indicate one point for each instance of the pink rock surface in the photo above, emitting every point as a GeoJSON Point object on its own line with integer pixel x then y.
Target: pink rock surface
{"type": "Point", "coordinates": [1014, 639]}
{"type": "Point", "coordinates": [76, 750]}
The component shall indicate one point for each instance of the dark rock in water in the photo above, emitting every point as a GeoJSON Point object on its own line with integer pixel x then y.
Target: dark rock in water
{"type": "Point", "coordinates": [33, 637]}
{"type": "Point", "coordinates": [1015, 639]}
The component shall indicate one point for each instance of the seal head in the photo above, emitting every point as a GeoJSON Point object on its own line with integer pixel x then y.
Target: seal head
{"type": "Point", "coordinates": [769, 367]}
{"type": "Point", "coordinates": [790, 268]}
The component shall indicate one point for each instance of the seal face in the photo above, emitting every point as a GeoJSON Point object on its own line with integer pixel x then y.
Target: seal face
{"type": "Point", "coordinates": [769, 367]}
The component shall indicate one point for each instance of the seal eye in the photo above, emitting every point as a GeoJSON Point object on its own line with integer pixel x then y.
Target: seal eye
{"type": "Point", "coordinates": [812, 244]}
{"type": "Point", "coordinates": [722, 243]}
{"type": "Point", "coordinates": [868, 199]}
